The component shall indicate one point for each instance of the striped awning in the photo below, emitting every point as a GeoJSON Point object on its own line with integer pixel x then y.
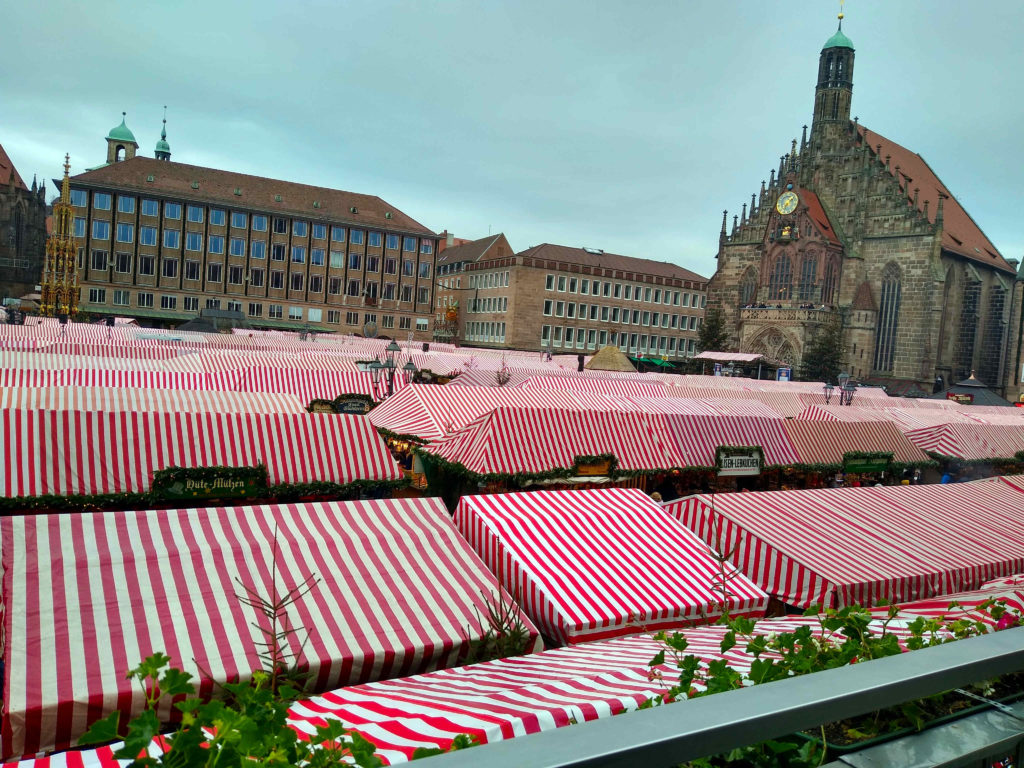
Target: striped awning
{"type": "Point", "coordinates": [827, 442]}
{"type": "Point", "coordinates": [695, 439]}
{"type": "Point", "coordinates": [90, 452]}
{"type": "Point", "coordinates": [591, 564]}
{"type": "Point", "coordinates": [970, 442]}
{"type": "Point", "coordinates": [840, 546]}
{"type": "Point", "coordinates": [88, 596]}
{"type": "Point", "coordinates": [124, 399]}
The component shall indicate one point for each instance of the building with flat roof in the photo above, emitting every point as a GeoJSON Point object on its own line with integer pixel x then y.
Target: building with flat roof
{"type": "Point", "coordinates": [161, 240]}
{"type": "Point", "coordinates": [559, 298]}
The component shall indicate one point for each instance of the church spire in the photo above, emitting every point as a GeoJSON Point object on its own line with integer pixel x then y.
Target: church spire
{"type": "Point", "coordinates": [163, 149]}
{"type": "Point", "coordinates": [834, 90]}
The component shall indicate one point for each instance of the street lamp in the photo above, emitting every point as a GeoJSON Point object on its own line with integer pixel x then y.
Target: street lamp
{"type": "Point", "coordinates": [849, 389]}
{"type": "Point", "coordinates": [845, 389]}
{"type": "Point", "coordinates": [829, 389]}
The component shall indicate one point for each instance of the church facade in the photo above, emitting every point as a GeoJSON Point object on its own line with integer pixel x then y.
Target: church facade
{"type": "Point", "coordinates": [22, 231]}
{"type": "Point", "coordinates": [854, 229]}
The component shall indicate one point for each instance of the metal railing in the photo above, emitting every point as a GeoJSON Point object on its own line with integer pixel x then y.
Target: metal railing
{"type": "Point", "coordinates": [669, 735]}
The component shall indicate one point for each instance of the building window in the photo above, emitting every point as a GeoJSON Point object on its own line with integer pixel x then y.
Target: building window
{"type": "Point", "coordinates": [168, 302]}
{"type": "Point", "coordinates": [126, 205]}
{"type": "Point", "coordinates": [259, 223]}
{"type": "Point", "coordinates": [144, 299]}
{"type": "Point", "coordinates": [338, 234]}
{"type": "Point", "coordinates": [392, 242]}
{"type": "Point", "coordinates": [319, 231]}
{"type": "Point", "coordinates": [409, 245]}
{"type": "Point", "coordinates": [172, 238]}
{"type": "Point", "coordinates": [808, 278]}
{"type": "Point", "coordinates": [888, 318]}
{"type": "Point", "coordinates": [280, 226]}
{"type": "Point", "coordinates": [79, 198]}
{"type": "Point", "coordinates": [214, 272]}
{"type": "Point", "coordinates": [549, 283]}
{"type": "Point", "coordinates": [298, 254]}
{"type": "Point", "coordinates": [425, 270]}
{"type": "Point", "coordinates": [300, 229]}
{"type": "Point", "coordinates": [390, 265]}
{"type": "Point", "coordinates": [172, 211]}
{"type": "Point", "coordinates": [277, 252]}
{"type": "Point", "coordinates": [422, 323]}
{"type": "Point", "coordinates": [780, 286]}
{"type": "Point", "coordinates": [387, 321]}
{"type": "Point", "coordinates": [406, 293]}
{"type": "Point", "coordinates": [100, 230]}
{"type": "Point", "coordinates": [334, 286]}
{"type": "Point", "coordinates": [657, 296]}
{"type": "Point", "coordinates": [235, 274]}
{"type": "Point", "coordinates": [404, 323]}
{"type": "Point", "coordinates": [217, 217]}
{"type": "Point", "coordinates": [277, 279]}
{"type": "Point", "coordinates": [193, 241]}
{"type": "Point", "coordinates": [375, 239]}
{"type": "Point", "coordinates": [356, 236]}
{"type": "Point", "coordinates": [256, 278]}
{"type": "Point", "coordinates": [238, 220]}
{"type": "Point", "coordinates": [255, 309]}
{"type": "Point", "coordinates": [121, 298]}
{"type": "Point", "coordinates": [216, 244]}
{"type": "Point", "coordinates": [274, 311]}
{"type": "Point", "coordinates": [748, 288]}
{"type": "Point", "coordinates": [333, 316]}
{"type": "Point", "coordinates": [147, 235]}
{"type": "Point", "coordinates": [237, 246]}
{"type": "Point", "coordinates": [354, 259]}
{"type": "Point", "coordinates": [426, 246]}
{"type": "Point", "coordinates": [570, 310]}
{"type": "Point", "coordinates": [316, 284]}
{"type": "Point", "coordinates": [192, 270]}
{"type": "Point", "coordinates": [561, 283]}
{"type": "Point", "coordinates": [101, 201]}
{"type": "Point", "coordinates": [122, 262]}
{"type": "Point", "coordinates": [373, 263]}
{"type": "Point", "coordinates": [170, 268]}
{"type": "Point", "coordinates": [99, 260]}
{"type": "Point", "coordinates": [79, 227]}
{"type": "Point", "coordinates": [97, 295]}
{"type": "Point", "coordinates": [316, 257]}
{"type": "Point", "coordinates": [389, 292]}
{"type": "Point", "coordinates": [194, 213]}
{"type": "Point", "coordinates": [191, 303]}
{"type": "Point", "coordinates": [423, 295]}
{"type": "Point", "coordinates": [297, 281]}
{"type": "Point", "coordinates": [547, 307]}
{"type": "Point", "coordinates": [353, 288]}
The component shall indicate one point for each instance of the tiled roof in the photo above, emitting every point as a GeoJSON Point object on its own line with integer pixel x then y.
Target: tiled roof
{"type": "Point", "coordinates": [471, 251]}
{"type": "Point", "coordinates": [7, 170]}
{"type": "Point", "coordinates": [818, 216]}
{"type": "Point", "coordinates": [257, 192]}
{"type": "Point", "coordinates": [960, 234]}
{"type": "Point", "coordinates": [569, 255]}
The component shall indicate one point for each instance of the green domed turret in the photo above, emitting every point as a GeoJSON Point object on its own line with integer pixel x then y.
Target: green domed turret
{"type": "Point", "coordinates": [838, 40]}
{"type": "Point", "coordinates": [121, 132]}
{"type": "Point", "coordinates": [163, 149]}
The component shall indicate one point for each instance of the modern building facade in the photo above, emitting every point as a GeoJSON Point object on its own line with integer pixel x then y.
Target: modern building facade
{"type": "Point", "coordinates": [162, 240]}
{"type": "Point", "coordinates": [22, 231]}
{"type": "Point", "coordinates": [560, 299]}
{"type": "Point", "coordinates": [856, 229]}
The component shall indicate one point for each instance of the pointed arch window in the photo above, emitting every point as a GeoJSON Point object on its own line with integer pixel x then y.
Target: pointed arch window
{"type": "Point", "coordinates": [888, 319]}
{"type": "Point", "coordinates": [748, 287]}
{"type": "Point", "coordinates": [828, 289]}
{"type": "Point", "coordinates": [808, 278]}
{"type": "Point", "coordinates": [780, 287]}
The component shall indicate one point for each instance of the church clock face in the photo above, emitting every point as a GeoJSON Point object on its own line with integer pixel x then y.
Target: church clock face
{"type": "Point", "coordinates": [787, 202]}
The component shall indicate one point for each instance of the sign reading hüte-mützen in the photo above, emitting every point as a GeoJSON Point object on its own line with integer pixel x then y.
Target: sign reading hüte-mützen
{"type": "Point", "coordinates": [738, 462]}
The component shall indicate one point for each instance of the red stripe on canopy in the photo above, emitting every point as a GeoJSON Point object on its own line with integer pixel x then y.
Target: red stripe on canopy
{"type": "Point", "coordinates": [826, 442]}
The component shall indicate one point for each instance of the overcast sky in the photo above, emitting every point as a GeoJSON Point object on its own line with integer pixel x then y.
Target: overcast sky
{"type": "Point", "coordinates": [622, 126]}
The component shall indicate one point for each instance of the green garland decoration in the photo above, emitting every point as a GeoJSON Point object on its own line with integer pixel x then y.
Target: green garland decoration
{"type": "Point", "coordinates": [995, 462]}
{"type": "Point", "coordinates": [387, 433]}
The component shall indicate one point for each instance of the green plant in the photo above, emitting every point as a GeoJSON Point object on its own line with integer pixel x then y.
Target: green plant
{"type": "Point", "coordinates": [503, 633]}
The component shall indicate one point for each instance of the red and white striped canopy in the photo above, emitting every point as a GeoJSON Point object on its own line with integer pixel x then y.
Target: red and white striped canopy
{"type": "Point", "coordinates": [861, 545]}
{"type": "Point", "coordinates": [113, 399]}
{"type": "Point", "coordinates": [826, 442]}
{"type": "Point", "coordinates": [631, 387]}
{"type": "Point", "coordinates": [87, 597]}
{"type": "Point", "coordinates": [695, 439]}
{"type": "Point", "coordinates": [592, 564]}
{"type": "Point", "coordinates": [90, 452]}
{"type": "Point", "coordinates": [310, 385]}
{"type": "Point", "coordinates": [534, 440]}
{"type": "Point", "coordinates": [971, 442]}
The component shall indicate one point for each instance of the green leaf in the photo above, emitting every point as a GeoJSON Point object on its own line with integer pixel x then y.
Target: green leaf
{"type": "Point", "coordinates": [175, 682]}
{"type": "Point", "coordinates": [659, 658]}
{"type": "Point", "coordinates": [102, 731]}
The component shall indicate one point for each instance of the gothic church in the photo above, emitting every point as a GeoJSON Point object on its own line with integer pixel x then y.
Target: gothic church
{"type": "Point", "coordinates": [854, 228]}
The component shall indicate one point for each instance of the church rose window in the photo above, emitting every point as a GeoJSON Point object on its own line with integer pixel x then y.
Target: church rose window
{"type": "Point", "coordinates": [888, 319]}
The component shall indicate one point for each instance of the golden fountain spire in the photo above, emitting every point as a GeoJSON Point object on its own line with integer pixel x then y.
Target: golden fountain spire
{"type": "Point", "coordinates": [60, 270]}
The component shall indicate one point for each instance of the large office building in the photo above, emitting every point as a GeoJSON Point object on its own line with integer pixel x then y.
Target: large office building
{"type": "Point", "coordinates": [562, 299]}
{"type": "Point", "coordinates": [161, 240]}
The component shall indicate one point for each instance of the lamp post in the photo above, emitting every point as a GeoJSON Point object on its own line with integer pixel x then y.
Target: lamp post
{"type": "Point", "coordinates": [388, 368]}
{"type": "Point", "coordinates": [829, 389]}
{"type": "Point", "coordinates": [849, 389]}
{"type": "Point", "coordinates": [410, 370]}
{"type": "Point", "coordinates": [845, 389]}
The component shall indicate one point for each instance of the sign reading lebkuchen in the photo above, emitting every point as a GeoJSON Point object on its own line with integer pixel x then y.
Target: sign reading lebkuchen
{"type": "Point", "coordinates": [733, 462]}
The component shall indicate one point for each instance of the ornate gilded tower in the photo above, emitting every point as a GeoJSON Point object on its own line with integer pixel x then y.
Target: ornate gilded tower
{"type": "Point", "coordinates": [60, 270]}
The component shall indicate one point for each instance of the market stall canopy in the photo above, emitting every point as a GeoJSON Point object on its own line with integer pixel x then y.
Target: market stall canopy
{"type": "Point", "coordinates": [162, 400]}
{"type": "Point", "coordinates": [591, 564]}
{"type": "Point", "coordinates": [87, 597]}
{"type": "Point", "coordinates": [97, 452]}
{"type": "Point", "coordinates": [840, 546]}
{"type": "Point", "coordinates": [826, 443]}
{"type": "Point", "coordinates": [971, 391]}
{"type": "Point", "coordinates": [729, 357]}
{"type": "Point", "coordinates": [971, 442]}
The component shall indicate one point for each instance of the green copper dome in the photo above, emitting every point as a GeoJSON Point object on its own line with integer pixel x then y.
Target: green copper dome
{"type": "Point", "coordinates": [162, 145]}
{"type": "Point", "coordinates": [838, 40]}
{"type": "Point", "coordinates": [121, 132]}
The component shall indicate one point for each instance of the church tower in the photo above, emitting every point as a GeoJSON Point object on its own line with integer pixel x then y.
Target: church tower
{"type": "Point", "coordinates": [163, 149]}
{"type": "Point", "coordinates": [121, 143]}
{"type": "Point", "coordinates": [834, 91]}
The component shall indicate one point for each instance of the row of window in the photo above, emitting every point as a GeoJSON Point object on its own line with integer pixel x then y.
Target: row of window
{"type": "Point", "coordinates": [489, 304]}
{"type": "Point", "coordinates": [145, 299]}
{"type": "Point", "coordinates": [626, 291]}
{"type": "Point", "coordinates": [101, 201]}
{"type": "Point", "coordinates": [580, 338]}
{"type": "Point", "coordinates": [489, 280]}
{"type": "Point", "coordinates": [487, 332]}
{"type": "Point", "coordinates": [625, 315]}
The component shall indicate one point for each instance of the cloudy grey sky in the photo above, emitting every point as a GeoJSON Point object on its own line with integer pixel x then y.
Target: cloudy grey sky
{"type": "Point", "coordinates": [623, 126]}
